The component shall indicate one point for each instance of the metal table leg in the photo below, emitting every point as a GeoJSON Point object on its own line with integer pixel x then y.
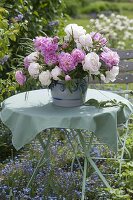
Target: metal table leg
{"type": "Point", "coordinates": [41, 161]}
{"type": "Point", "coordinates": [86, 149]}
{"type": "Point", "coordinates": [87, 159]}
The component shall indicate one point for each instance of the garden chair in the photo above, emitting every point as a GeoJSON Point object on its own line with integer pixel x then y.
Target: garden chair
{"type": "Point", "coordinates": [126, 71]}
{"type": "Point", "coordinates": [125, 77]}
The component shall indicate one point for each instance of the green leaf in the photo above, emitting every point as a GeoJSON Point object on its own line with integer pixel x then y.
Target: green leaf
{"type": "Point", "coordinates": [92, 102]}
{"type": "Point", "coordinates": [3, 10]}
{"type": "Point", "coordinates": [13, 37]}
{"type": "Point", "coordinates": [104, 104]}
{"type": "Point", "coordinates": [36, 13]}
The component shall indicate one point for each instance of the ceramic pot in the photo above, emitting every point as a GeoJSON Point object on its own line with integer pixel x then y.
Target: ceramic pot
{"type": "Point", "coordinates": [62, 96]}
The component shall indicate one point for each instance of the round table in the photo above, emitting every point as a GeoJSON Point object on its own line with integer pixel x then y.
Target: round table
{"type": "Point", "coordinates": [27, 114]}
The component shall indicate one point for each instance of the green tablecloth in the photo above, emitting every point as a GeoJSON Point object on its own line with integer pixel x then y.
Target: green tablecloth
{"type": "Point", "coordinates": [26, 118]}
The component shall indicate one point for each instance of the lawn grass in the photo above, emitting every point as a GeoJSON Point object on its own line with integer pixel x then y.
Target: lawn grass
{"type": "Point", "coordinates": [80, 21]}
{"type": "Point", "coordinates": [129, 14]}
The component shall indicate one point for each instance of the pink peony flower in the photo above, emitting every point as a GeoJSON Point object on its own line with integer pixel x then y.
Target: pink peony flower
{"type": "Point", "coordinates": [98, 38]}
{"type": "Point", "coordinates": [106, 49]}
{"type": "Point", "coordinates": [37, 43]}
{"type": "Point", "coordinates": [48, 45]}
{"type": "Point", "coordinates": [78, 56]}
{"type": "Point", "coordinates": [20, 77]}
{"type": "Point", "coordinates": [110, 58]}
{"type": "Point", "coordinates": [67, 78]}
{"type": "Point", "coordinates": [26, 62]}
{"type": "Point", "coordinates": [103, 41]}
{"type": "Point", "coordinates": [51, 59]}
{"type": "Point", "coordinates": [66, 62]}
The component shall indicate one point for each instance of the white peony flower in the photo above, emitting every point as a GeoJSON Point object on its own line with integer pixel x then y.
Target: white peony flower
{"type": "Point", "coordinates": [85, 41]}
{"type": "Point", "coordinates": [74, 30]}
{"type": "Point", "coordinates": [91, 63]}
{"type": "Point", "coordinates": [45, 78]}
{"type": "Point", "coordinates": [110, 75]}
{"type": "Point", "coordinates": [34, 69]}
{"type": "Point", "coordinates": [33, 57]}
{"type": "Point", "coordinates": [56, 72]}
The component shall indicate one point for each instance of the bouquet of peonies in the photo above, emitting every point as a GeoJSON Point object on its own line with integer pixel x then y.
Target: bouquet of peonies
{"type": "Point", "coordinates": [75, 56]}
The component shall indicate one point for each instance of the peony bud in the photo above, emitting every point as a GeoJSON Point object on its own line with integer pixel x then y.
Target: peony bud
{"type": "Point", "coordinates": [20, 77]}
{"type": "Point", "coordinates": [67, 78]}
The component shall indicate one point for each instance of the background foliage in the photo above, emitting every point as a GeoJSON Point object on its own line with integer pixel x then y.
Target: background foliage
{"type": "Point", "coordinates": [23, 19]}
{"type": "Point", "coordinates": [77, 8]}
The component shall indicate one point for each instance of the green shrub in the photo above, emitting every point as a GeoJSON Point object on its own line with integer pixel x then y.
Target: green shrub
{"type": "Point", "coordinates": [72, 8]}
{"type": "Point", "coordinates": [8, 35]}
{"type": "Point", "coordinates": [38, 14]}
{"type": "Point", "coordinates": [101, 6]}
{"type": "Point", "coordinates": [23, 19]}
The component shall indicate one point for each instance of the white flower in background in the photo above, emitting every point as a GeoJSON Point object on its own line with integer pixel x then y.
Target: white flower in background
{"type": "Point", "coordinates": [120, 27]}
{"type": "Point", "coordinates": [34, 69]}
{"type": "Point", "coordinates": [110, 75]}
{"type": "Point", "coordinates": [101, 16]}
{"type": "Point", "coordinates": [106, 29]}
{"type": "Point", "coordinates": [91, 63]}
{"type": "Point", "coordinates": [121, 45]}
{"type": "Point", "coordinates": [127, 35]}
{"type": "Point", "coordinates": [112, 15]}
{"type": "Point", "coordinates": [74, 30]}
{"type": "Point", "coordinates": [130, 28]}
{"type": "Point", "coordinates": [45, 78]}
{"type": "Point", "coordinates": [115, 27]}
{"type": "Point", "coordinates": [84, 41]}
{"type": "Point", "coordinates": [108, 20]}
{"type": "Point", "coordinates": [34, 56]}
{"type": "Point", "coordinates": [56, 72]}
{"type": "Point", "coordinates": [113, 35]}
{"type": "Point", "coordinates": [92, 21]}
